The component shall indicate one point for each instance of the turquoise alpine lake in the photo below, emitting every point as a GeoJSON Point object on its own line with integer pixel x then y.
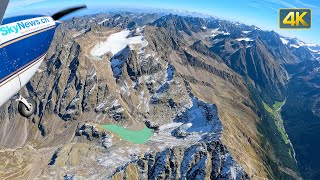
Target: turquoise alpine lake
{"type": "Point", "coordinates": [135, 137]}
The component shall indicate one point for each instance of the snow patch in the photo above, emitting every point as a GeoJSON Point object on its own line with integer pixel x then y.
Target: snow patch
{"type": "Point", "coordinates": [101, 22]}
{"type": "Point", "coordinates": [216, 32]}
{"type": "Point", "coordinates": [80, 33]}
{"type": "Point", "coordinates": [115, 103]}
{"type": "Point", "coordinates": [115, 43]}
{"type": "Point", "coordinates": [314, 51]}
{"type": "Point", "coordinates": [284, 41]}
{"type": "Point", "coordinates": [125, 89]}
{"type": "Point", "coordinates": [245, 39]}
{"type": "Point", "coordinates": [294, 46]}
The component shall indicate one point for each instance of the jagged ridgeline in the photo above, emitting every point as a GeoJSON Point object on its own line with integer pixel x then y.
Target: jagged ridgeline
{"type": "Point", "coordinates": [145, 96]}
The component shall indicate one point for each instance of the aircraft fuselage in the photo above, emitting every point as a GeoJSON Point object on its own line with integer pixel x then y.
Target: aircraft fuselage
{"type": "Point", "coordinates": [24, 42]}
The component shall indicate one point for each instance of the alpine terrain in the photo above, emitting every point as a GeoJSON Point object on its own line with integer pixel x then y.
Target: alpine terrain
{"type": "Point", "coordinates": [150, 96]}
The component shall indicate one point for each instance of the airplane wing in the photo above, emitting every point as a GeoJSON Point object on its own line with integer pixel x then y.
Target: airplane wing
{"type": "Point", "coordinates": [3, 7]}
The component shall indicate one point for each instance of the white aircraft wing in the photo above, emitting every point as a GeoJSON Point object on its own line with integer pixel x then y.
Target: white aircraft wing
{"type": "Point", "coordinates": [3, 7]}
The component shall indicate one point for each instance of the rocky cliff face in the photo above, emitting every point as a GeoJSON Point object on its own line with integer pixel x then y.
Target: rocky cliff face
{"type": "Point", "coordinates": [208, 161]}
{"type": "Point", "coordinates": [172, 75]}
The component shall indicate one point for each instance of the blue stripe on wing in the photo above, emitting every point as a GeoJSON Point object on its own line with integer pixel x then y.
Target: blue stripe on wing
{"type": "Point", "coordinates": [17, 55]}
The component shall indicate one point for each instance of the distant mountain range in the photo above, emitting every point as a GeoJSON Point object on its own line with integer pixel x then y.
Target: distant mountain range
{"type": "Point", "coordinates": [212, 91]}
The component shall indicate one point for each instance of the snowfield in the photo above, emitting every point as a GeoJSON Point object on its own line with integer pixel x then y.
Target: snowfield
{"type": "Point", "coordinates": [294, 46]}
{"type": "Point", "coordinates": [216, 32]}
{"type": "Point", "coordinates": [284, 41]}
{"type": "Point", "coordinates": [101, 22]}
{"type": "Point", "coordinates": [115, 43]}
{"type": "Point", "coordinates": [244, 39]}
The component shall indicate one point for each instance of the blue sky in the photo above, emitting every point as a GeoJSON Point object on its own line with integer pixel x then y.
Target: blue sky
{"type": "Point", "coordinates": [262, 13]}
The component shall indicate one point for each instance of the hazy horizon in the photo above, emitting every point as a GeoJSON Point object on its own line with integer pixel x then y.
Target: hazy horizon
{"type": "Point", "coordinates": [224, 11]}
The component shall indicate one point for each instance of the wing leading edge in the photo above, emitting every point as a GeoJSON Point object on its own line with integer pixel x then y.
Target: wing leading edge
{"type": "Point", "coordinates": [3, 7]}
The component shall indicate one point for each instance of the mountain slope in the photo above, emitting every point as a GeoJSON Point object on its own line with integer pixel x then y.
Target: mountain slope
{"type": "Point", "coordinates": [180, 76]}
{"type": "Point", "coordinates": [301, 114]}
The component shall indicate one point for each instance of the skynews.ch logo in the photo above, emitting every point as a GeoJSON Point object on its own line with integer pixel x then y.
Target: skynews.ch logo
{"type": "Point", "coordinates": [17, 27]}
{"type": "Point", "coordinates": [295, 18]}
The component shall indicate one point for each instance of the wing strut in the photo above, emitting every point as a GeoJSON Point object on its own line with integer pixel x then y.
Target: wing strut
{"type": "Point", "coordinates": [3, 7]}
